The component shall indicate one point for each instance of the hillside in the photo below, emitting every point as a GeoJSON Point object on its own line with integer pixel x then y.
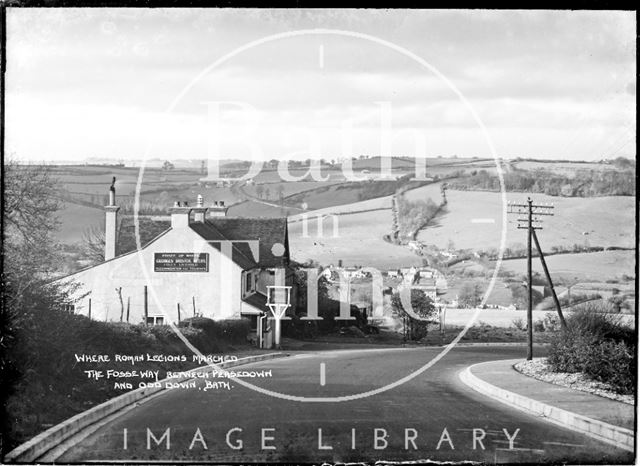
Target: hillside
{"type": "Point", "coordinates": [474, 221]}
{"type": "Point", "coordinates": [359, 242]}
{"type": "Point", "coordinates": [584, 267]}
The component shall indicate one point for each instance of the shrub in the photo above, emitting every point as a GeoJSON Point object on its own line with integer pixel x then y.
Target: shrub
{"type": "Point", "coordinates": [613, 363]}
{"type": "Point", "coordinates": [519, 324]}
{"type": "Point", "coordinates": [598, 346]}
{"type": "Point", "coordinates": [551, 322]}
{"type": "Point", "coordinates": [221, 332]}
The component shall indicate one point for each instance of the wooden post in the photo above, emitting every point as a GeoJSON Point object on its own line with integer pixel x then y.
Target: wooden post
{"type": "Point", "coordinates": [128, 306]}
{"type": "Point", "coordinates": [89, 308]}
{"type": "Point", "coordinates": [546, 272]}
{"type": "Point", "coordinates": [119, 291]}
{"type": "Point", "coordinates": [193, 300]}
{"type": "Point", "coordinates": [178, 312]}
{"type": "Point", "coordinates": [146, 306]}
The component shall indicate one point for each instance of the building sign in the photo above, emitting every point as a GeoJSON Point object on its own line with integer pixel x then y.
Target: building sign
{"type": "Point", "coordinates": [180, 262]}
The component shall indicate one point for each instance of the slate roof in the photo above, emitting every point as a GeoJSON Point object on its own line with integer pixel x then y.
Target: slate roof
{"type": "Point", "coordinates": [267, 231]}
{"type": "Point", "coordinates": [258, 301]}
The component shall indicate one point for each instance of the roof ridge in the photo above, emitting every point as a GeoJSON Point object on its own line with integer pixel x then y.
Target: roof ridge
{"type": "Point", "coordinates": [233, 246]}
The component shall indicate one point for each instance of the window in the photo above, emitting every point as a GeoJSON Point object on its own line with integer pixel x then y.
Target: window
{"type": "Point", "coordinates": [155, 320]}
{"type": "Point", "coordinates": [70, 308]}
{"type": "Point", "coordinates": [248, 283]}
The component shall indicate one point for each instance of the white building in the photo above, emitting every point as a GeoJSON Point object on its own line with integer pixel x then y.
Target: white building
{"type": "Point", "coordinates": [205, 264]}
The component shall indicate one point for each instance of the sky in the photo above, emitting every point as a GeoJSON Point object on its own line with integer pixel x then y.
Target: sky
{"type": "Point", "coordinates": [175, 84]}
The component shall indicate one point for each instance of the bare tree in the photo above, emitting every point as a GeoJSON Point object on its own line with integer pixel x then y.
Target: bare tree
{"type": "Point", "coordinates": [31, 202]}
{"type": "Point", "coordinates": [93, 244]}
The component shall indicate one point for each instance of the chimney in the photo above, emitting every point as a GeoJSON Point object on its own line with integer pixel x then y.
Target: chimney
{"type": "Point", "coordinates": [218, 209]}
{"type": "Point", "coordinates": [111, 224]}
{"type": "Point", "coordinates": [200, 210]}
{"type": "Point", "coordinates": [180, 215]}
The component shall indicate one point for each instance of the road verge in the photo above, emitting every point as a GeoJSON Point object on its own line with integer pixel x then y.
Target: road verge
{"type": "Point", "coordinates": [608, 433]}
{"type": "Point", "coordinates": [33, 449]}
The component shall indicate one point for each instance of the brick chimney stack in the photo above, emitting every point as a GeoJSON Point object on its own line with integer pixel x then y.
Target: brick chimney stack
{"type": "Point", "coordinates": [200, 210]}
{"type": "Point", "coordinates": [180, 215]}
{"type": "Point", "coordinates": [218, 209]}
{"type": "Point", "coordinates": [111, 224]}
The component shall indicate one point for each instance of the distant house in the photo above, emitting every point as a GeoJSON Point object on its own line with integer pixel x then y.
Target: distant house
{"type": "Point", "coordinates": [428, 287]}
{"type": "Point", "coordinates": [331, 274]}
{"type": "Point", "coordinates": [353, 272]}
{"type": "Point", "coordinates": [414, 245]}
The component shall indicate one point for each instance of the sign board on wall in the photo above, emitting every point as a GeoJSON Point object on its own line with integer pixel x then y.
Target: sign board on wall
{"type": "Point", "coordinates": [180, 262]}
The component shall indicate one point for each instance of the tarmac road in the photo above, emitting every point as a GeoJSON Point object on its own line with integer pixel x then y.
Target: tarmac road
{"type": "Point", "coordinates": [432, 416]}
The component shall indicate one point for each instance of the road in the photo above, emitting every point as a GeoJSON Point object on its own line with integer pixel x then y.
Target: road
{"type": "Point", "coordinates": [412, 420]}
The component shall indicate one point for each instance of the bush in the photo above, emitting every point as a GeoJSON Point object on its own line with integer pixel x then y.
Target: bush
{"type": "Point", "coordinates": [551, 322]}
{"type": "Point", "coordinates": [538, 326]}
{"type": "Point", "coordinates": [519, 324]}
{"type": "Point", "coordinates": [221, 333]}
{"type": "Point", "coordinates": [598, 346]}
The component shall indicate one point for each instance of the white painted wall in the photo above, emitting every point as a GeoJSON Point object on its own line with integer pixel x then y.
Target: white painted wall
{"type": "Point", "coordinates": [217, 292]}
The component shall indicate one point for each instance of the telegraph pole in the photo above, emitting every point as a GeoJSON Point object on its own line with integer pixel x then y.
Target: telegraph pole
{"type": "Point", "coordinates": [533, 223]}
{"type": "Point", "coordinates": [529, 283]}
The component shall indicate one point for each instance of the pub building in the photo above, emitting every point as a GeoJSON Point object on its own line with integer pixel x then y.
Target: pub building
{"type": "Point", "coordinates": [204, 264]}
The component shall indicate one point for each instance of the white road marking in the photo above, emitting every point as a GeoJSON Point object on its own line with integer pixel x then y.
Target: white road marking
{"type": "Point", "coordinates": [322, 374]}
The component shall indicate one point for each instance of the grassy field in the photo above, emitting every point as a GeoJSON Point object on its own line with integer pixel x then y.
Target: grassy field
{"type": "Point", "coordinates": [257, 209]}
{"type": "Point", "coordinates": [359, 242]}
{"type": "Point", "coordinates": [288, 188]}
{"type": "Point", "coordinates": [370, 204]}
{"type": "Point", "coordinates": [74, 219]}
{"type": "Point", "coordinates": [583, 267]}
{"type": "Point", "coordinates": [474, 220]}
{"type": "Point", "coordinates": [564, 168]}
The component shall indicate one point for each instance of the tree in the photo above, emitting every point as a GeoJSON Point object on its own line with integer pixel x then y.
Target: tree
{"type": "Point", "coordinates": [30, 303]}
{"type": "Point", "coordinates": [617, 301]}
{"type": "Point", "coordinates": [167, 165]}
{"type": "Point", "coordinates": [470, 294]}
{"type": "Point", "coordinates": [93, 244]}
{"type": "Point", "coordinates": [423, 307]}
{"type": "Point", "coordinates": [520, 296]}
{"type": "Point", "coordinates": [281, 193]}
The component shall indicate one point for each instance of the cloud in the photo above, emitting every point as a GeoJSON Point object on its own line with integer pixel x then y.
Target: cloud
{"type": "Point", "coordinates": [527, 71]}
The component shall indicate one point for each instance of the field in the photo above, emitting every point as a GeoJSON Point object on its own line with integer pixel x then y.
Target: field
{"type": "Point", "coordinates": [584, 267]}
{"type": "Point", "coordinates": [564, 168]}
{"type": "Point", "coordinates": [359, 242]}
{"type": "Point", "coordinates": [474, 221]}
{"type": "Point", "coordinates": [380, 203]}
{"type": "Point", "coordinates": [74, 219]}
{"type": "Point", "coordinates": [256, 209]}
{"type": "Point", "coordinates": [287, 188]}
{"type": "Point", "coordinates": [500, 295]}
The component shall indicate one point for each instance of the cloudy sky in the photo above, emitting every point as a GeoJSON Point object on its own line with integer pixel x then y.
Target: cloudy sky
{"type": "Point", "coordinates": [125, 83]}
